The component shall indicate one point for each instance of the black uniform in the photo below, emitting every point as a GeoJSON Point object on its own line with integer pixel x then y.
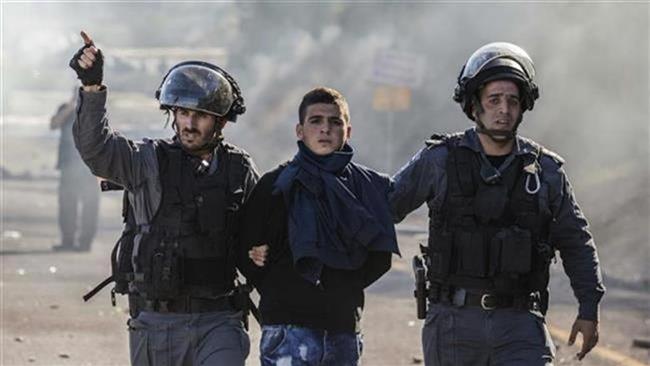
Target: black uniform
{"type": "Point", "coordinates": [493, 231]}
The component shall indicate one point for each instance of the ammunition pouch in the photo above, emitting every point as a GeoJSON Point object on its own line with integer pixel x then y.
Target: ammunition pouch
{"type": "Point", "coordinates": [506, 262]}
{"type": "Point", "coordinates": [471, 252]}
{"type": "Point", "coordinates": [170, 268]}
{"type": "Point", "coordinates": [165, 279]}
{"type": "Point", "coordinates": [511, 249]}
{"type": "Point", "coordinates": [439, 256]}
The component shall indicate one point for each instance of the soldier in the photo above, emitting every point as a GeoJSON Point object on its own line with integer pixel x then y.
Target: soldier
{"type": "Point", "coordinates": [183, 193]}
{"type": "Point", "coordinates": [78, 189]}
{"type": "Point", "coordinates": [330, 235]}
{"type": "Point", "coordinates": [499, 206]}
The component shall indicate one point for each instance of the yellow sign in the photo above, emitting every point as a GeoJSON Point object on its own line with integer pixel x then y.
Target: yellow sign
{"type": "Point", "coordinates": [391, 98]}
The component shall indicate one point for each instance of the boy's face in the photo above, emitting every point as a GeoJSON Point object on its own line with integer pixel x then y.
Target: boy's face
{"type": "Point", "coordinates": [324, 129]}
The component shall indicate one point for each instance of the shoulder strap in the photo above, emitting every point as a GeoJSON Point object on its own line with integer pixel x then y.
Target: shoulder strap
{"type": "Point", "coordinates": [460, 166]}
{"type": "Point", "coordinates": [553, 155]}
{"type": "Point", "coordinates": [436, 140]}
{"type": "Point", "coordinates": [236, 168]}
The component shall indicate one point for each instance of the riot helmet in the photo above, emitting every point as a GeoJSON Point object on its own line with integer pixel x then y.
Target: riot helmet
{"type": "Point", "coordinates": [496, 61]}
{"type": "Point", "coordinates": [201, 86]}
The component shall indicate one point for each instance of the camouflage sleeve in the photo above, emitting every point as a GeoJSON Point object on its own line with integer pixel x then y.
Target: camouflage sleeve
{"type": "Point", "coordinates": [569, 233]}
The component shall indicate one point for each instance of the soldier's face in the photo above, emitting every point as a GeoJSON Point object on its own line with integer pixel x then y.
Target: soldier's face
{"type": "Point", "coordinates": [501, 105]}
{"type": "Point", "coordinates": [324, 129]}
{"type": "Point", "coordinates": [195, 128]}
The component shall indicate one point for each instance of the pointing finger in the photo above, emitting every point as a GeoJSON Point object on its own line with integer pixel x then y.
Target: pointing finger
{"type": "Point", "coordinates": [86, 38]}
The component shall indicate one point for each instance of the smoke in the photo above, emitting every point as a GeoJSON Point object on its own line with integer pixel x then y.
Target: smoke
{"type": "Point", "coordinates": [591, 60]}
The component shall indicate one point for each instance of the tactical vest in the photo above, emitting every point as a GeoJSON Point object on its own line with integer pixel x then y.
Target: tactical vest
{"type": "Point", "coordinates": [490, 233]}
{"type": "Point", "coordinates": [186, 250]}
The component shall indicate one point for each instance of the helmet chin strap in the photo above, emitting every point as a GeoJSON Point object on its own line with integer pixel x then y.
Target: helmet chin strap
{"type": "Point", "coordinates": [498, 135]}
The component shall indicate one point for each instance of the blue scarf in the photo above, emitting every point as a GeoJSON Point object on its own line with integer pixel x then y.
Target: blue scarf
{"type": "Point", "coordinates": [338, 211]}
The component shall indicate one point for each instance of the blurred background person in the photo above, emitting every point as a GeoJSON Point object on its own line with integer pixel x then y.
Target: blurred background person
{"type": "Point", "coordinates": [78, 189]}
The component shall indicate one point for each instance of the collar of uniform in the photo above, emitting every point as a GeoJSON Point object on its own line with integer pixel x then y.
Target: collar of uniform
{"type": "Point", "coordinates": [214, 162]}
{"type": "Point", "coordinates": [470, 140]}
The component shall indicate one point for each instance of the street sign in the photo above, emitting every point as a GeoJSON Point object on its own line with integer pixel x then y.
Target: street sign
{"type": "Point", "coordinates": [397, 68]}
{"type": "Point", "coordinates": [391, 98]}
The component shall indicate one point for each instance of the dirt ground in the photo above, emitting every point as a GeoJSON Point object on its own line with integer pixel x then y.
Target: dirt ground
{"type": "Point", "coordinates": [45, 322]}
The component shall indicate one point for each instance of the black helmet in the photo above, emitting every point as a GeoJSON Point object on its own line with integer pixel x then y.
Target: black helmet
{"type": "Point", "coordinates": [203, 87]}
{"type": "Point", "coordinates": [496, 61]}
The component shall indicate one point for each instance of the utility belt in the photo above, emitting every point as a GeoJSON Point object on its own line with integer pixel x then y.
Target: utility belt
{"type": "Point", "coordinates": [504, 290]}
{"type": "Point", "coordinates": [187, 304]}
{"type": "Point", "coordinates": [237, 299]}
{"type": "Point", "coordinates": [484, 299]}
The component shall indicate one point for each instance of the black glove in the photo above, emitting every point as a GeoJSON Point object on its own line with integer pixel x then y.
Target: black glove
{"type": "Point", "coordinates": [92, 75]}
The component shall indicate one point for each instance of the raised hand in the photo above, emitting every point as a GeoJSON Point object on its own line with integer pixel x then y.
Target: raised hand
{"type": "Point", "coordinates": [88, 62]}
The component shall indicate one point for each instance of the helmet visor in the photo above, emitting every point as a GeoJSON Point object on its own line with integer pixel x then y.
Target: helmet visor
{"type": "Point", "coordinates": [198, 88]}
{"type": "Point", "coordinates": [486, 56]}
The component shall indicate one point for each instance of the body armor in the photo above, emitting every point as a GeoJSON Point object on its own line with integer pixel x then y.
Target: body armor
{"type": "Point", "coordinates": [183, 260]}
{"type": "Point", "coordinates": [491, 232]}
{"type": "Point", "coordinates": [185, 251]}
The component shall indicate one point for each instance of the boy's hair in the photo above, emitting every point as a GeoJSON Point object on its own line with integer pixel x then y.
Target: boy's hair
{"type": "Point", "coordinates": [323, 95]}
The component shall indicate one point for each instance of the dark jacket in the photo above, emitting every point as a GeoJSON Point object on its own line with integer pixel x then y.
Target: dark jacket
{"type": "Point", "coordinates": [286, 297]}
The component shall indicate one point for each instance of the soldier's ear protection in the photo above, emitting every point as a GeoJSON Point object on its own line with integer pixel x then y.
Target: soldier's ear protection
{"type": "Point", "coordinates": [459, 90]}
{"type": "Point", "coordinates": [238, 107]}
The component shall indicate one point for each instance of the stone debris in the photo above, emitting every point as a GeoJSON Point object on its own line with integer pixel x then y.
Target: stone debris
{"type": "Point", "coordinates": [641, 343]}
{"type": "Point", "coordinates": [12, 234]}
{"type": "Point", "coordinates": [411, 323]}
